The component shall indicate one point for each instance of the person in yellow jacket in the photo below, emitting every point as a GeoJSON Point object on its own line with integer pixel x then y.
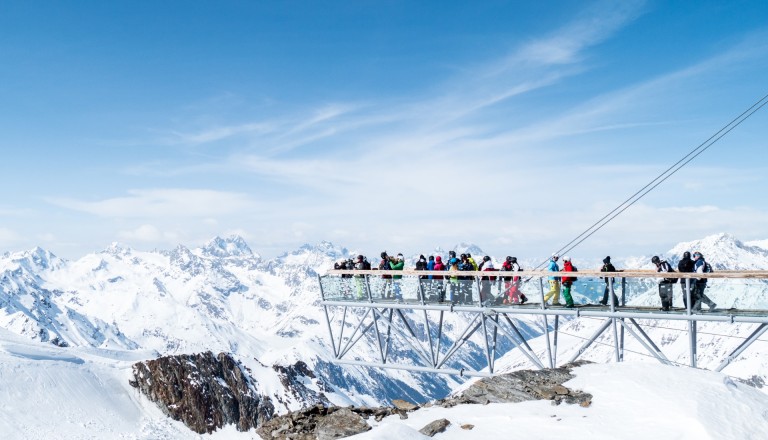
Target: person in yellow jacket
{"type": "Point", "coordinates": [471, 261]}
{"type": "Point", "coordinates": [554, 282]}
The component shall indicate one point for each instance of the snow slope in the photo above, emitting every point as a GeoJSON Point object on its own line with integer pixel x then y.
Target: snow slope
{"type": "Point", "coordinates": [630, 401]}
{"type": "Point", "coordinates": [86, 321]}
{"type": "Point", "coordinates": [80, 393]}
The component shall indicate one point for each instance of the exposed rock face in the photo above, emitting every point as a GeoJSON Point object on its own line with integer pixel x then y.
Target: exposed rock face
{"type": "Point", "coordinates": [322, 422]}
{"type": "Point", "coordinates": [204, 391]}
{"type": "Point", "coordinates": [342, 423]}
{"type": "Point", "coordinates": [293, 377]}
{"type": "Point", "coordinates": [523, 385]}
{"type": "Point", "coordinates": [435, 427]}
{"type": "Point", "coordinates": [404, 405]}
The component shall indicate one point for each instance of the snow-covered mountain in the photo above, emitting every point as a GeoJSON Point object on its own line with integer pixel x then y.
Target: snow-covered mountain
{"type": "Point", "coordinates": [220, 297]}
{"type": "Point", "coordinates": [122, 305]}
{"type": "Point", "coordinates": [715, 340]}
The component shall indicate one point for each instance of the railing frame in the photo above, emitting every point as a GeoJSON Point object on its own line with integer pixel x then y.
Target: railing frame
{"type": "Point", "coordinates": [485, 321]}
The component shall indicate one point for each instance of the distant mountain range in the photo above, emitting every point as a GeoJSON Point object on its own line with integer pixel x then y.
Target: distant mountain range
{"type": "Point", "coordinates": [223, 297]}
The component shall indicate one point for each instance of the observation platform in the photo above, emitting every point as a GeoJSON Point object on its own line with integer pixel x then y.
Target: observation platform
{"type": "Point", "coordinates": [403, 315]}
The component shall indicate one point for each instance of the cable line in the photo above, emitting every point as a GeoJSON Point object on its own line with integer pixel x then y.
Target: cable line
{"type": "Point", "coordinates": [650, 186]}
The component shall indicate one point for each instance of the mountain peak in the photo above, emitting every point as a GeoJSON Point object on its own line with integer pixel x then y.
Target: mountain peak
{"type": "Point", "coordinates": [38, 257]}
{"type": "Point", "coordinates": [724, 251]}
{"type": "Point", "coordinates": [324, 248]}
{"type": "Point", "coordinates": [470, 248]}
{"type": "Point", "coordinates": [231, 246]}
{"type": "Point", "coordinates": [117, 249]}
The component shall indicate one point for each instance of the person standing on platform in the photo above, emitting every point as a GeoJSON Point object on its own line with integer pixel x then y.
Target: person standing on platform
{"type": "Point", "coordinates": [386, 291]}
{"type": "Point", "coordinates": [438, 279]}
{"type": "Point", "coordinates": [608, 267]}
{"type": "Point", "coordinates": [421, 264]}
{"type": "Point", "coordinates": [485, 282]}
{"type": "Point", "coordinates": [453, 280]}
{"type": "Point", "coordinates": [665, 285]}
{"type": "Point", "coordinates": [685, 265]}
{"type": "Point", "coordinates": [397, 264]}
{"type": "Point", "coordinates": [554, 282]}
{"type": "Point", "coordinates": [359, 279]}
{"type": "Point", "coordinates": [512, 292]}
{"type": "Point", "coordinates": [701, 266]}
{"type": "Point", "coordinates": [568, 281]}
{"type": "Point", "coordinates": [471, 261]}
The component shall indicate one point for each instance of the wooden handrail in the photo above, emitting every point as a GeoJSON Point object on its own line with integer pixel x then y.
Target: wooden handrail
{"type": "Point", "coordinates": [629, 273]}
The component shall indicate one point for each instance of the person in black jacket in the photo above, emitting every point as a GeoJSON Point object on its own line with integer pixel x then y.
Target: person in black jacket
{"type": "Point", "coordinates": [686, 266]}
{"type": "Point", "coordinates": [608, 267]}
{"type": "Point", "coordinates": [665, 285]}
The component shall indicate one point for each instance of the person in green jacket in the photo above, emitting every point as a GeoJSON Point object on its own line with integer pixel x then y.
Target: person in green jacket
{"type": "Point", "coordinates": [397, 264]}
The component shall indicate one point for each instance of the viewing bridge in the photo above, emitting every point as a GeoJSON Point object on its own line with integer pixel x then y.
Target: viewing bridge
{"type": "Point", "coordinates": [411, 315]}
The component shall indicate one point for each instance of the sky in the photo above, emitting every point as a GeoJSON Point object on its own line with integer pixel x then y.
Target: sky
{"type": "Point", "coordinates": [379, 125]}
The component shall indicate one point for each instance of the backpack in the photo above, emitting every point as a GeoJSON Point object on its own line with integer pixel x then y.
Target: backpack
{"type": "Point", "coordinates": [671, 270]}
{"type": "Point", "coordinates": [366, 264]}
{"type": "Point", "coordinates": [573, 279]}
{"type": "Point", "coordinates": [707, 268]}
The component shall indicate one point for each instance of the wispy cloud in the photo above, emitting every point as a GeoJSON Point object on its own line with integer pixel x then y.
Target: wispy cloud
{"type": "Point", "coordinates": [163, 203]}
{"type": "Point", "coordinates": [566, 45]}
{"type": "Point", "coordinates": [218, 133]}
{"type": "Point", "coordinates": [463, 158]}
{"type": "Point", "coordinates": [148, 233]}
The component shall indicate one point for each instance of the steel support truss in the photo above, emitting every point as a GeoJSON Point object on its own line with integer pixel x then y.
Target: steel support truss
{"type": "Point", "coordinates": [414, 335]}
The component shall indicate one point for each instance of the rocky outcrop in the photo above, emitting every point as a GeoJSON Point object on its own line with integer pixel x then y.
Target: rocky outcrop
{"type": "Point", "coordinates": [340, 424]}
{"type": "Point", "coordinates": [435, 427]}
{"type": "Point", "coordinates": [207, 392]}
{"type": "Point", "coordinates": [203, 391]}
{"type": "Point", "coordinates": [293, 378]}
{"type": "Point", "coordinates": [323, 422]}
{"type": "Point", "coordinates": [523, 385]}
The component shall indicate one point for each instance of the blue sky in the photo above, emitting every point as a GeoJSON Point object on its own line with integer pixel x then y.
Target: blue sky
{"type": "Point", "coordinates": [379, 125]}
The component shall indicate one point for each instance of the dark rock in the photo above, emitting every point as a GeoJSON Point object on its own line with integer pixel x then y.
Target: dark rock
{"type": "Point", "coordinates": [404, 405]}
{"type": "Point", "coordinates": [342, 423]}
{"type": "Point", "coordinates": [293, 378]}
{"type": "Point", "coordinates": [754, 381]}
{"type": "Point", "coordinates": [435, 427]}
{"type": "Point", "coordinates": [312, 422]}
{"type": "Point", "coordinates": [523, 385]}
{"type": "Point", "coordinates": [203, 391]}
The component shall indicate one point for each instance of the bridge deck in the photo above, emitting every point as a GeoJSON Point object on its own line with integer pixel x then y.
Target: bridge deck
{"type": "Point", "coordinates": [378, 299]}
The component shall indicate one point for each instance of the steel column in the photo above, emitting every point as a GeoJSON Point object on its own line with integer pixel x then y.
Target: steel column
{"type": "Point", "coordinates": [592, 339]}
{"type": "Point", "coordinates": [743, 346]}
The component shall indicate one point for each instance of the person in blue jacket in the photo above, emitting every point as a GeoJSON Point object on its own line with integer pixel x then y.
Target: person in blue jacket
{"type": "Point", "coordinates": [554, 282]}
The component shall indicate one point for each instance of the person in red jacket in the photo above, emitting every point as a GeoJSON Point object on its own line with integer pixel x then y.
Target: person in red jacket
{"type": "Point", "coordinates": [437, 280]}
{"type": "Point", "coordinates": [567, 282]}
{"type": "Point", "coordinates": [512, 293]}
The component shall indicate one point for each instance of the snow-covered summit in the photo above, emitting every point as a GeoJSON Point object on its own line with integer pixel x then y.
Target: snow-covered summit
{"type": "Point", "coordinates": [118, 249]}
{"type": "Point", "coordinates": [232, 246]}
{"type": "Point", "coordinates": [32, 260]}
{"type": "Point", "coordinates": [469, 248]}
{"type": "Point", "coordinates": [724, 251]}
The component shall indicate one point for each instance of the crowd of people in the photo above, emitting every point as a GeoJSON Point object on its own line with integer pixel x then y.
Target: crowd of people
{"type": "Point", "coordinates": [457, 288]}
{"type": "Point", "coordinates": [696, 285]}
